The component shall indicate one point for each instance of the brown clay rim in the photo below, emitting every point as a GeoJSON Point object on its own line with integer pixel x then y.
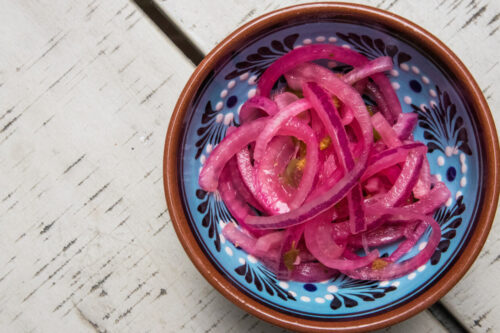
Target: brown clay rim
{"type": "Point", "coordinates": [432, 45]}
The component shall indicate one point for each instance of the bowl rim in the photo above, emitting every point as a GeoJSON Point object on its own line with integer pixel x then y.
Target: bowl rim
{"type": "Point", "coordinates": [489, 139]}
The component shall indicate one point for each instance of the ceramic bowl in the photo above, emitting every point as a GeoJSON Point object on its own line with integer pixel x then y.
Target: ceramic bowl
{"type": "Point", "coordinates": [454, 122]}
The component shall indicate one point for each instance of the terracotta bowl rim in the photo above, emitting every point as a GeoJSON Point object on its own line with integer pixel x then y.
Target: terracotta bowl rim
{"type": "Point", "coordinates": [489, 141]}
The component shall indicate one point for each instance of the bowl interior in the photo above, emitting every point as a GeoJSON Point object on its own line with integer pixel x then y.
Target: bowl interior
{"type": "Point", "coordinates": [446, 125]}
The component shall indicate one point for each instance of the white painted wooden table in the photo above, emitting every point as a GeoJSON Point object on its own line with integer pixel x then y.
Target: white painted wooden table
{"type": "Point", "coordinates": [86, 91]}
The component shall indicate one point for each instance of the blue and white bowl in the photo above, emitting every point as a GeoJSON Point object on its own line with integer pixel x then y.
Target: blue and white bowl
{"type": "Point", "coordinates": [454, 122]}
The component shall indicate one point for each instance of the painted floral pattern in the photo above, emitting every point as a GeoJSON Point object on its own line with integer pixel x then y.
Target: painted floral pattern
{"type": "Point", "coordinates": [443, 126]}
{"type": "Point", "coordinates": [350, 291]}
{"type": "Point", "coordinates": [213, 211]}
{"type": "Point", "coordinates": [263, 279]}
{"type": "Point", "coordinates": [258, 62]}
{"type": "Point", "coordinates": [373, 48]}
{"type": "Point", "coordinates": [212, 129]}
{"type": "Point", "coordinates": [449, 219]}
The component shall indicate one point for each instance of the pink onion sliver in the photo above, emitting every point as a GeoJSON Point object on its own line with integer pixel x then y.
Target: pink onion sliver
{"type": "Point", "coordinates": [389, 95]}
{"type": "Point", "coordinates": [392, 173]}
{"type": "Point", "coordinates": [405, 246]}
{"type": "Point", "coordinates": [334, 178]}
{"type": "Point", "coordinates": [436, 197]}
{"type": "Point", "coordinates": [246, 170]}
{"type": "Point", "coordinates": [387, 133]}
{"type": "Point", "coordinates": [346, 114]}
{"type": "Point", "coordinates": [423, 185]}
{"type": "Point", "coordinates": [383, 235]}
{"type": "Point", "coordinates": [378, 65]}
{"type": "Point", "coordinates": [304, 133]}
{"type": "Point", "coordinates": [395, 270]}
{"type": "Point", "coordinates": [319, 241]}
{"type": "Point", "coordinates": [269, 190]}
{"type": "Point", "coordinates": [232, 199]}
{"type": "Point", "coordinates": [328, 114]}
{"type": "Point", "coordinates": [302, 55]}
{"type": "Point", "coordinates": [284, 99]}
{"type": "Point", "coordinates": [311, 208]}
{"type": "Point", "coordinates": [323, 106]}
{"type": "Point", "coordinates": [407, 179]}
{"type": "Point", "coordinates": [312, 272]}
{"type": "Point", "coordinates": [310, 72]}
{"type": "Point", "coordinates": [243, 240]}
{"type": "Point", "coordinates": [353, 262]}
{"type": "Point", "coordinates": [382, 105]}
{"type": "Point", "coordinates": [240, 186]}
{"type": "Point", "coordinates": [274, 124]}
{"type": "Point", "coordinates": [340, 189]}
{"type": "Point", "coordinates": [375, 213]}
{"type": "Point", "coordinates": [270, 241]}
{"type": "Point", "coordinates": [257, 107]}
{"type": "Point", "coordinates": [225, 150]}
{"type": "Point", "coordinates": [290, 241]}
{"type": "Point", "coordinates": [357, 219]}
{"type": "Point", "coordinates": [405, 125]}
{"type": "Point", "coordinates": [388, 158]}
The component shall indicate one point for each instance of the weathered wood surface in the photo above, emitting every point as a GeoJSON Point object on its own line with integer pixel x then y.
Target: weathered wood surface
{"type": "Point", "coordinates": [470, 29]}
{"type": "Point", "coordinates": [86, 92]}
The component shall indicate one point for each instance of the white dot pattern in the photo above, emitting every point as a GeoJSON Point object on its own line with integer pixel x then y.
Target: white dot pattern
{"type": "Point", "coordinates": [332, 289]}
{"type": "Point", "coordinates": [244, 76]}
{"type": "Point", "coordinates": [252, 259]}
{"type": "Point", "coordinates": [283, 284]}
{"type": "Point", "coordinates": [251, 93]}
{"type": "Point", "coordinates": [463, 182]}
{"type": "Point", "coordinates": [252, 80]}
{"type": "Point", "coordinates": [219, 106]}
{"type": "Point", "coordinates": [319, 300]}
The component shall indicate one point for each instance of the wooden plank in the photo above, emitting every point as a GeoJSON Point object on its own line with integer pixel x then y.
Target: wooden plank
{"type": "Point", "coordinates": [469, 28]}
